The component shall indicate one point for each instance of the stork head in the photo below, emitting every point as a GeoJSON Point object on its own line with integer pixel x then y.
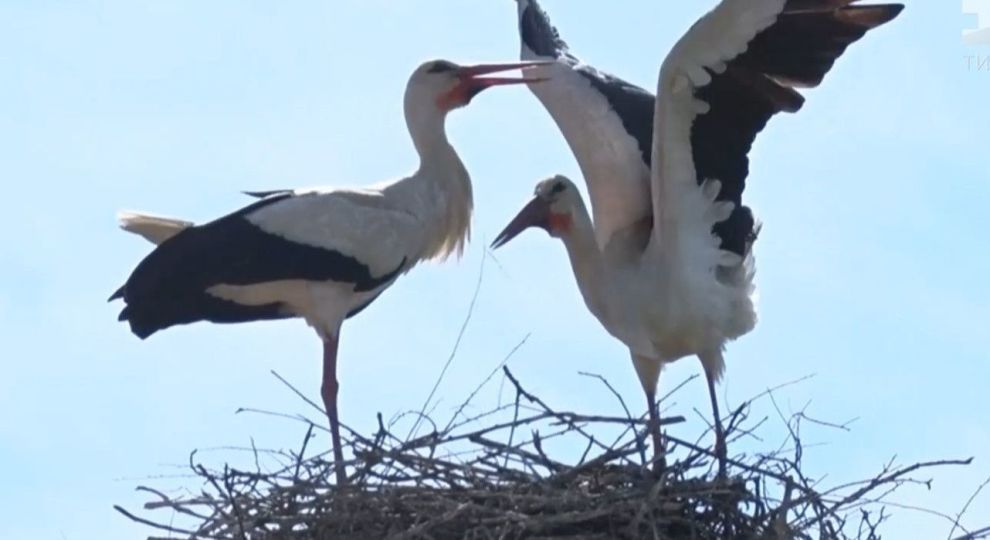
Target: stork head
{"type": "Point", "coordinates": [449, 86]}
{"type": "Point", "coordinates": [551, 209]}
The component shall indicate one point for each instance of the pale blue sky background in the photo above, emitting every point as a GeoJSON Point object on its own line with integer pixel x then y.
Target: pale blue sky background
{"type": "Point", "coordinates": [873, 261]}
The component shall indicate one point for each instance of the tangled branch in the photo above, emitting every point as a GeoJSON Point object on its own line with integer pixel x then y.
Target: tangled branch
{"type": "Point", "coordinates": [470, 479]}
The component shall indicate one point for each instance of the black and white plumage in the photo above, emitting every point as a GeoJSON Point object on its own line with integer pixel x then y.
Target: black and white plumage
{"type": "Point", "coordinates": [319, 254]}
{"type": "Point", "coordinates": [665, 263]}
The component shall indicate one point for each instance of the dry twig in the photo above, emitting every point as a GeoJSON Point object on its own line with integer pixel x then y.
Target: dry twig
{"type": "Point", "coordinates": [472, 480]}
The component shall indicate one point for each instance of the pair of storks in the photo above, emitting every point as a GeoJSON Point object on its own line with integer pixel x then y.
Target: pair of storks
{"type": "Point", "coordinates": [664, 262]}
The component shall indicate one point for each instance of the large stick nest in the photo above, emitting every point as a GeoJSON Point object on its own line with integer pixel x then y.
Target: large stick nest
{"type": "Point", "coordinates": [499, 480]}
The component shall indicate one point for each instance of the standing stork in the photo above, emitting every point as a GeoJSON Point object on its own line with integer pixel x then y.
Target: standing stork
{"type": "Point", "coordinates": [320, 254]}
{"type": "Point", "coordinates": [666, 261]}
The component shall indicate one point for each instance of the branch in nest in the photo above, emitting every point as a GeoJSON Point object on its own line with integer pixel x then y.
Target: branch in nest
{"type": "Point", "coordinates": [480, 480]}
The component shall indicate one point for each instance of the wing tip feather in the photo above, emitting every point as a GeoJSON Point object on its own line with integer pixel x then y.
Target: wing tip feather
{"type": "Point", "coordinates": [118, 294]}
{"type": "Point", "coordinates": [870, 16]}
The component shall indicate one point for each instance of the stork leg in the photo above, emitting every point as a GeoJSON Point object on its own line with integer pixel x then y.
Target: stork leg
{"type": "Point", "coordinates": [329, 393]}
{"type": "Point", "coordinates": [648, 371]}
{"type": "Point", "coordinates": [659, 459]}
{"type": "Point", "coordinates": [721, 452]}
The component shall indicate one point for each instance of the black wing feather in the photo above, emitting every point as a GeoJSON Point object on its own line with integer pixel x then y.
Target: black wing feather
{"type": "Point", "coordinates": [796, 51]}
{"type": "Point", "coordinates": [633, 105]}
{"type": "Point", "coordinates": [538, 33]}
{"type": "Point", "coordinates": [169, 286]}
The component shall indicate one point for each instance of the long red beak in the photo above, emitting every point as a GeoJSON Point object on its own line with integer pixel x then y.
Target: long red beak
{"type": "Point", "coordinates": [536, 213]}
{"type": "Point", "coordinates": [472, 74]}
{"type": "Point", "coordinates": [472, 82]}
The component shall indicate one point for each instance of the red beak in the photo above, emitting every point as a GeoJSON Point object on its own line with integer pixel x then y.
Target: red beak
{"type": "Point", "coordinates": [473, 83]}
{"type": "Point", "coordinates": [472, 74]}
{"type": "Point", "coordinates": [536, 213]}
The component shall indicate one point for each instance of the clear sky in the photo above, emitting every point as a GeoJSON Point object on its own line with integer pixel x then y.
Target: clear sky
{"type": "Point", "coordinates": [873, 261]}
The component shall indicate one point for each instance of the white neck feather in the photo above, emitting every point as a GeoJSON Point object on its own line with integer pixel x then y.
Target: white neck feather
{"type": "Point", "coordinates": [441, 186]}
{"type": "Point", "coordinates": [587, 260]}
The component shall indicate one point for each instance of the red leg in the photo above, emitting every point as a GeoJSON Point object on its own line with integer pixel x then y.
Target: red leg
{"type": "Point", "coordinates": [329, 392]}
{"type": "Point", "coordinates": [720, 448]}
{"type": "Point", "coordinates": [659, 459]}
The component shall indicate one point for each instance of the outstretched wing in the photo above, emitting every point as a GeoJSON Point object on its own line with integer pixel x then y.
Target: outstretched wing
{"type": "Point", "coordinates": [606, 121]}
{"type": "Point", "coordinates": [734, 69]}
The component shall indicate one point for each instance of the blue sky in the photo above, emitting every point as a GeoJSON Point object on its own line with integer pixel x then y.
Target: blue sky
{"type": "Point", "coordinates": [872, 262]}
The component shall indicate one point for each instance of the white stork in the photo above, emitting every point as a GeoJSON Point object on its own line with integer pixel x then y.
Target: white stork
{"type": "Point", "coordinates": [666, 263]}
{"type": "Point", "coordinates": [319, 254]}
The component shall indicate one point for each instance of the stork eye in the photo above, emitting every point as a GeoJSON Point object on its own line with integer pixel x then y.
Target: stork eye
{"type": "Point", "coordinates": [557, 188]}
{"type": "Point", "coordinates": [441, 66]}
